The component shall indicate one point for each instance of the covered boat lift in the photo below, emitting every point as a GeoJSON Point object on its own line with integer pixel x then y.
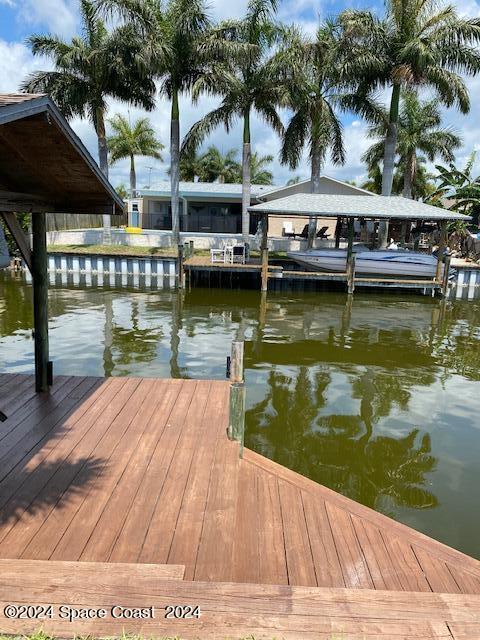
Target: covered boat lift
{"type": "Point", "coordinates": [354, 207]}
{"type": "Point", "coordinates": [45, 168]}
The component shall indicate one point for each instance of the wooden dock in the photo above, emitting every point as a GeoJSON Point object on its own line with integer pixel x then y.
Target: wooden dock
{"type": "Point", "coordinates": [137, 472]}
{"type": "Point", "coordinates": [201, 269]}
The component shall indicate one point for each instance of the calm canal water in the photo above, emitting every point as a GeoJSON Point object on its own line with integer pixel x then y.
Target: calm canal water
{"type": "Point", "coordinates": [378, 399]}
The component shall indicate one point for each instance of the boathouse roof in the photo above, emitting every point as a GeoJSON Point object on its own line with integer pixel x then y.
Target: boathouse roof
{"type": "Point", "coordinates": [355, 206]}
{"type": "Point", "coordinates": [44, 166]}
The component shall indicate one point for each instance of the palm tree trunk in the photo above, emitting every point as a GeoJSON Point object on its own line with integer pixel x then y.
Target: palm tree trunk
{"type": "Point", "coordinates": [389, 159]}
{"type": "Point", "coordinates": [316, 168]}
{"type": "Point", "coordinates": [246, 186]}
{"type": "Point", "coordinates": [103, 160]}
{"type": "Point", "coordinates": [408, 175]}
{"type": "Point", "coordinates": [133, 177]}
{"type": "Point", "coordinates": [175, 167]}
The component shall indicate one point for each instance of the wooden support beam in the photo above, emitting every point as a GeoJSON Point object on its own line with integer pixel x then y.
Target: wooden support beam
{"type": "Point", "coordinates": [236, 425]}
{"type": "Point", "coordinates": [180, 267]}
{"type": "Point", "coordinates": [446, 274]}
{"type": "Point", "coordinates": [441, 248]}
{"type": "Point", "coordinates": [264, 252]}
{"type": "Point", "coordinates": [19, 236]}
{"type": "Point", "coordinates": [40, 302]}
{"type": "Point", "coordinates": [350, 256]}
{"type": "Point", "coordinates": [351, 274]}
{"type": "Point", "coordinates": [338, 232]}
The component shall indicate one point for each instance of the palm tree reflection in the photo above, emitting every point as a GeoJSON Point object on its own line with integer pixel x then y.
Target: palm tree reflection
{"type": "Point", "coordinates": [294, 426]}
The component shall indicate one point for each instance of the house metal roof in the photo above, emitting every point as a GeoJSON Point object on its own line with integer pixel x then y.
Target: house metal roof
{"type": "Point", "coordinates": [43, 164]}
{"type": "Point", "coordinates": [333, 206]}
{"type": "Point", "coordinates": [203, 189]}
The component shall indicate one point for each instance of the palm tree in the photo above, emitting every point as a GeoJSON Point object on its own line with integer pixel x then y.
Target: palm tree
{"type": "Point", "coordinates": [179, 46]}
{"type": "Point", "coordinates": [129, 141]}
{"type": "Point", "coordinates": [189, 166]}
{"type": "Point", "coordinates": [419, 129]}
{"type": "Point", "coordinates": [311, 72]}
{"type": "Point", "coordinates": [422, 185]}
{"type": "Point", "coordinates": [248, 85]}
{"type": "Point", "coordinates": [214, 166]}
{"type": "Point", "coordinates": [292, 181]}
{"type": "Point", "coordinates": [259, 173]}
{"type": "Point", "coordinates": [415, 43]}
{"type": "Point", "coordinates": [461, 186]}
{"type": "Point", "coordinates": [89, 70]}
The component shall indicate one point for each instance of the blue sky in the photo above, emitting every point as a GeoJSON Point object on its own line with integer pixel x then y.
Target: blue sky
{"type": "Point", "coordinates": [20, 18]}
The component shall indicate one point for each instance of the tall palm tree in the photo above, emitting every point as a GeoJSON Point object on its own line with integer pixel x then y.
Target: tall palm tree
{"type": "Point", "coordinates": [214, 165]}
{"type": "Point", "coordinates": [415, 43]}
{"type": "Point", "coordinates": [128, 141]}
{"type": "Point", "coordinates": [248, 85]}
{"type": "Point", "coordinates": [179, 45]}
{"type": "Point", "coordinates": [419, 129]}
{"type": "Point", "coordinates": [313, 77]}
{"type": "Point", "coordinates": [88, 70]}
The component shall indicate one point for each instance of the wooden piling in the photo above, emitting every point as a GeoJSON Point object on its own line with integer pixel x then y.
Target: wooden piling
{"type": "Point", "coordinates": [446, 274]}
{"type": "Point", "coordinates": [350, 258]}
{"type": "Point", "coordinates": [180, 268]}
{"type": "Point", "coordinates": [441, 247]}
{"type": "Point", "coordinates": [236, 425]}
{"type": "Point", "coordinates": [40, 302]}
{"type": "Point", "coordinates": [338, 232]}
{"type": "Point", "coordinates": [264, 252]}
{"type": "Point", "coordinates": [351, 274]}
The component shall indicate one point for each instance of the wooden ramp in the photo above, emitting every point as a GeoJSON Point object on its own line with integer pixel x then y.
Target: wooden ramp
{"type": "Point", "coordinates": [226, 610]}
{"type": "Point", "coordinates": [140, 471]}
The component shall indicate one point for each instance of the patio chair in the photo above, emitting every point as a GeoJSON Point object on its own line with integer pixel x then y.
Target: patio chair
{"type": "Point", "coordinates": [239, 253]}
{"type": "Point", "coordinates": [321, 235]}
{"type": "Point", "coordinates": [288, 230]}
{"type": "Point", "coordinates": [304, 233]}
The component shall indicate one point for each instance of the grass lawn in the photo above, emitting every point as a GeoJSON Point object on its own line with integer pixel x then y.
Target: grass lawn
{"type": "Point", "coordinates": [112, 250]}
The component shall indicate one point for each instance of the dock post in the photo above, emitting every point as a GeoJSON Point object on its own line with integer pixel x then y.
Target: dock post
{"type": "Point", "coordinates": [236, 425]}
{"type": "Point", "coordinates": [338, 232]}
{"type": "Point", "coordinates": [446, 274]}
{"type": "Point", "coordinates": [350, 257]}
{"type": "Point", "coordinates": [441, 247]}
{"type": "Point", "coordinates": [264, 252]}
{"type": "Point", "coordinates": [351, 274]}
{"type": "Point", "coordinates": [181, 272]}
{"type": "Point", "coordinates": [43, 372]}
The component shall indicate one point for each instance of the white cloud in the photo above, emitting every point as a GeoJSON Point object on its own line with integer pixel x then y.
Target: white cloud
{"type": "Point", "coordinates": [9, 3]}
{"type": "Point", "coordinates": [58, 16]}
{"type": "Point", "coordinates": [16, 62]}
{"type": "Point", "coordinates": [61, 16]}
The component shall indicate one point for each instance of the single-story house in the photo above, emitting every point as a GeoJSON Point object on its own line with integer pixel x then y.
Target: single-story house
{"type": "Point", "coordinates": [212, 207]}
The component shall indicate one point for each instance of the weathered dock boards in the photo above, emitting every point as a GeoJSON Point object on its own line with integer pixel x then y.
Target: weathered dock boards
{"type": "Point", "coordinates": [227, 610]}
{"type": "Point", "coordinates": [139, 470]}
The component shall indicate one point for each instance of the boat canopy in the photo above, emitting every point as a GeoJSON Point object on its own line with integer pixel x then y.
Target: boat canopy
{"type": "Point", "coordinates": [355, 206]}
{"type": "Point", "coordinates": [44, 166]}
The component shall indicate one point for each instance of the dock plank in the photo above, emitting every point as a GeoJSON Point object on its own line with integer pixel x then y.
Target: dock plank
{"type": "Point", "coordinates": [137, 470]}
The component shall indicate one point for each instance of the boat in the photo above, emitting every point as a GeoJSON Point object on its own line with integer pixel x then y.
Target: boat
{"type": "Point", "coordinates": [378, 262]}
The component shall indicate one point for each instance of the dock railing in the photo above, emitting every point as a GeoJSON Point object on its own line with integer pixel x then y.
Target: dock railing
{"type": "Point", "coordinates": [235, 371]}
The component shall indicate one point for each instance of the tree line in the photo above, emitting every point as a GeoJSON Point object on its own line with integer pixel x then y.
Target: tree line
{"type": "Point", "coordinates": [259, 65]}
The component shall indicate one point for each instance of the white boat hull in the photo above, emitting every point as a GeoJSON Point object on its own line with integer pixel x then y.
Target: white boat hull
{"type": "Point", "coordinates": [383, 263]}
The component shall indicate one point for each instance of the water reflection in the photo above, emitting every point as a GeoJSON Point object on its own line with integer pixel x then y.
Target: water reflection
{"type": "Point", "coordinates": [340, 450]}
{"type": "Point", "coordinates": [375, 396]}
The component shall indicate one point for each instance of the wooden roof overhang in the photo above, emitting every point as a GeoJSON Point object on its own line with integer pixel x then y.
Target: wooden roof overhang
{"type": "Point", "coordinates": [355, 206]}
{"type": "Point", "coordinates": [44, 166]}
